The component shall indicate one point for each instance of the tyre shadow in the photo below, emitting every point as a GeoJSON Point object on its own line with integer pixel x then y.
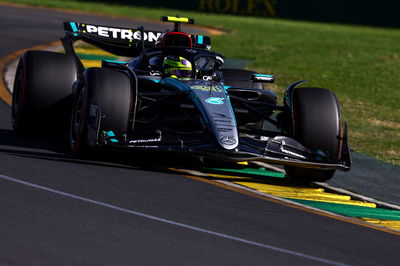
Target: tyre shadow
{"type": "Point", "coordinates": [56, 148]}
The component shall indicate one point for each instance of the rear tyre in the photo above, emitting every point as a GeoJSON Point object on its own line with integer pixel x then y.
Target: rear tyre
{"type": "Point", "coordinates": [111, 91]}
{"type": "Point", "coordinates": [42, 89]}
{"type": "Point", "coordinates": [316, 125]}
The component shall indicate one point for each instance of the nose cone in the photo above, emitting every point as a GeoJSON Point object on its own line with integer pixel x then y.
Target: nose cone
{"type": "Point", "coordinates": [213, 103]}
{"type": "Point", "coordinates": [229, 142]}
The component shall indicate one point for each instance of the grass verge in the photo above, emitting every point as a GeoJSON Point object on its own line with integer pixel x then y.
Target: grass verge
{"type": "Point", "coordinates": [360, 64]}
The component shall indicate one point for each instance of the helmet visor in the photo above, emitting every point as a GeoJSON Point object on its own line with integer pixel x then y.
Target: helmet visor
{"type": "Point", "coordinates": [180, 73]}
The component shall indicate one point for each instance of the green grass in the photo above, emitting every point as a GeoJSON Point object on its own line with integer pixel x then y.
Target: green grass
{"type": "Point", "coordinates": [360, 64]}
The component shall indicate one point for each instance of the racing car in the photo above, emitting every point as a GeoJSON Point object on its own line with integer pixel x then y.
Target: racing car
{"type": "Point", "coordinates": [175, 95]}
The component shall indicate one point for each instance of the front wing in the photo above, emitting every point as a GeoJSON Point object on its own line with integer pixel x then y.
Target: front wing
{"type": "Point", "coordinates": [279, 150]}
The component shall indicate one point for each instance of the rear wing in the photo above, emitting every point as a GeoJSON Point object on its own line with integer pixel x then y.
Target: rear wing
{"type": "Point", "coordinates": [120, 41]}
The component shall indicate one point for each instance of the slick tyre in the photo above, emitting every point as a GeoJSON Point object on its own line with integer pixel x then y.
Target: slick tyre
{"type": "Point", "coordinates": [240, 78]}
{"type": "Point", "coordinates": [110, 92]}
{"type": "Point", "coordinates": [41, 100]}
{"type": "Point", "coordinates": [316, 125]}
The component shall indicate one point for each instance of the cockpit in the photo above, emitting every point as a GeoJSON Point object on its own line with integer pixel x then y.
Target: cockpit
{"type": "Point", "coordinates": [205, 64]}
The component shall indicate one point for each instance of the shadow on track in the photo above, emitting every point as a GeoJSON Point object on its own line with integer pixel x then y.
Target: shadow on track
{"type": "Point", "coordinates": [57, 149]}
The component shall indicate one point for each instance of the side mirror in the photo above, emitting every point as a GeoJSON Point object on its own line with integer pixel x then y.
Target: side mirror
{"type": "Point", "coordinates": [262, 78]}
{"type": "Point", "coordinates": [113, 64]}
{"type": "Point", "coordinates": [217, 76]}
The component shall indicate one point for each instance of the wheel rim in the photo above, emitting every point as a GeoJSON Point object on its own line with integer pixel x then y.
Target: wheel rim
{"type": "Point", "coordinates": [17, 97]}
{"type": "Point", "coordinates": [77, 117]}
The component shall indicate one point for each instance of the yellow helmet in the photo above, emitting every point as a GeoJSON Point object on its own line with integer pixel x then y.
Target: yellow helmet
{"type": "Point", "coordinates": [177, 67]}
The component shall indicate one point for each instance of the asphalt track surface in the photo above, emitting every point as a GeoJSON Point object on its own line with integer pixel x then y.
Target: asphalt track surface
{"type": "Point", "coordinates": [56, 209]}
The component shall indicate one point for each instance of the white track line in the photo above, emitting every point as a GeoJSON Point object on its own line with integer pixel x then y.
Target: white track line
{"type": "Point", "coordinates": [158, 219]}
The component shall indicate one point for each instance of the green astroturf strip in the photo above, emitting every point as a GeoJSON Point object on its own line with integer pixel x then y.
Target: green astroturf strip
{"type": "Point", "coordinates": [250, 171]}
{"type": "Point", "coordinates": [95, 57]}
{"type": "Point", "coordinates": [353, 211]}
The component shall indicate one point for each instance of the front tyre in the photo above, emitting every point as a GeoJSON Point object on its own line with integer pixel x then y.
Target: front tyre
{"type": "Point", "coordinates": [316, 125]}
{"type": "Point", "coordinates": [111, 92]}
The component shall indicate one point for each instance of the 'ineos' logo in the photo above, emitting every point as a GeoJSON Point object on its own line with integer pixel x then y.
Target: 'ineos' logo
{"type": "Point", "coordinates": [228, 140]}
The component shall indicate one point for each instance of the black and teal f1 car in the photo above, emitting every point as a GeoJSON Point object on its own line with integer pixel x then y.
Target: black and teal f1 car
{"type": "Point", "coordinates": [216, 112]}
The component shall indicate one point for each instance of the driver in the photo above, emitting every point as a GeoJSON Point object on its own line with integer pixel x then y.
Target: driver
{"type": "Point", "coordinates": [176, 67]}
